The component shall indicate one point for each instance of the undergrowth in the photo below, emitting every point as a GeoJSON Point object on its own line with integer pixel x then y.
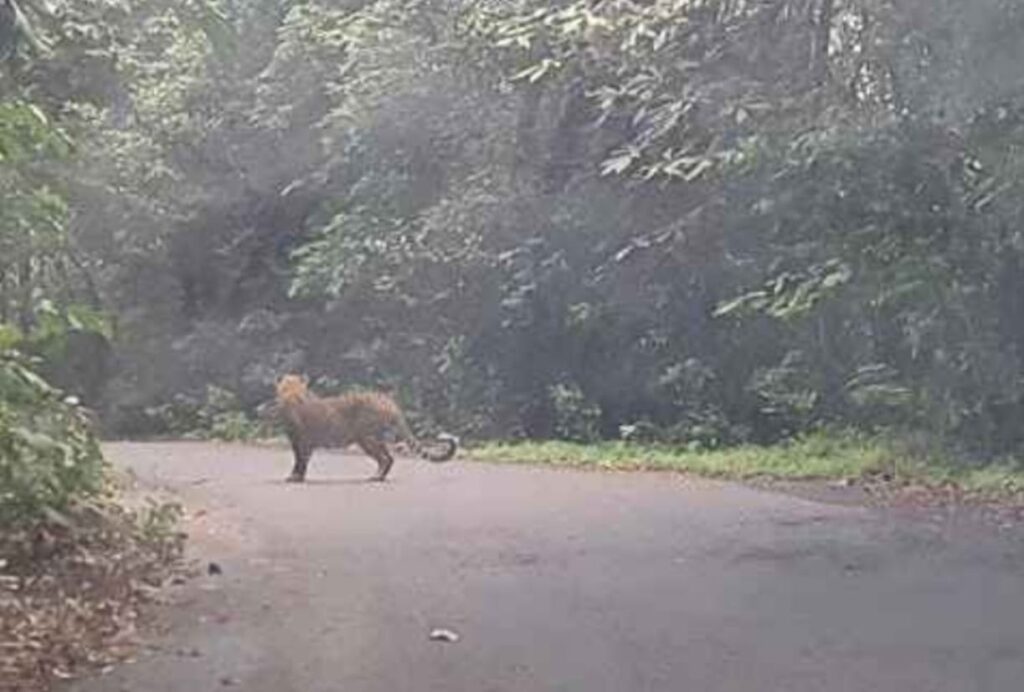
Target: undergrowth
{"type": "Point", "coordinates": [72, 586]}
{"type": "Point", "coordinates": [820, 456]}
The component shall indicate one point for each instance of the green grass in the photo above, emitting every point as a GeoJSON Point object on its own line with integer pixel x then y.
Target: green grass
{"type": "Point", "coordinates": [814, 457]}
{"type": "Point", "coordinates": [996, 478]}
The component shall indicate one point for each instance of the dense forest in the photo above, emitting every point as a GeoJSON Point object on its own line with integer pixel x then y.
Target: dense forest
{"type": "Point", "coordinates": [699, 222]}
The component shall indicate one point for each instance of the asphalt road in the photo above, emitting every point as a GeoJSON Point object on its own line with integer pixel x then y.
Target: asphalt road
{"type": "Point", "coordinates": [562, 581]}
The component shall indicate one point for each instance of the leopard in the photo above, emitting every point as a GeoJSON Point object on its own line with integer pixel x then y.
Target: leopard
{"type": "Point", "coordinates": [365, 418]}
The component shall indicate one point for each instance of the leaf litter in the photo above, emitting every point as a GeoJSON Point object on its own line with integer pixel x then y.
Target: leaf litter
{"type": "Point", "coordinates": [72, 591]}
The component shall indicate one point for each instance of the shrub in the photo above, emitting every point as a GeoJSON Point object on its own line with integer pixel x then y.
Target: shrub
{"type": "Point", "coordinates": [49, 455]}
{"type": "Point", "coordinates": [576, 418]}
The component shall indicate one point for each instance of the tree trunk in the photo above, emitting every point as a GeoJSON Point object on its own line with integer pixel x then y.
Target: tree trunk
{"type": "Point", "coordinates": [821, 21]}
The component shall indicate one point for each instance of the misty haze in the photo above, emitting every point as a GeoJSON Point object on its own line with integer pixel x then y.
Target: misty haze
{"type": "Point", "coordinates": [512, 345]}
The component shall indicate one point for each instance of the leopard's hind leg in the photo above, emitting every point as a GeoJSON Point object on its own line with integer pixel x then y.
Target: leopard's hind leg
{"type": "Point", "coordinates": [378, 451]}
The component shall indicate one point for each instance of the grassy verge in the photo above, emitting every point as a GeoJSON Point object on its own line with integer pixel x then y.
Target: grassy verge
{"type": "Point", "coordinates": [815, 457]}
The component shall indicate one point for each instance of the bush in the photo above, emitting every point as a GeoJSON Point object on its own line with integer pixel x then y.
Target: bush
{"type": "Point", "coordinates": [217, 416]}
{"type": "Point", "coordinates": [576, 418]}
{"type": "Point", "coordinates": [49, 455]}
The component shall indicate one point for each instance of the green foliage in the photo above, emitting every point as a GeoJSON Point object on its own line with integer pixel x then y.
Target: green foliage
{"type": "Point", "coordinates": [218, 416]}
{"type": "Point", "coordinates": [32, 215]}
{"type": "Point", "coordinates": [705, 223]}
{"type": "Point", "coordinates": [26, 132]}
{"type": "Point", "coordinates": [576, 419]}
{"type": "Point", "coordinates": [791, 296]}
{"type": "Point", "coordinates": [49, 456]}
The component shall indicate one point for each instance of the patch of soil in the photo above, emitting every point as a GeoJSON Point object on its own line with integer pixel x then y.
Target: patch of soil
{"type": "Point", "coordinates": [998, 510]}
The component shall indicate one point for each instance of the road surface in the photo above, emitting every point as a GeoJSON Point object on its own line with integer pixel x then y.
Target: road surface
{"type": "Point", "coordinates": [559, 580]}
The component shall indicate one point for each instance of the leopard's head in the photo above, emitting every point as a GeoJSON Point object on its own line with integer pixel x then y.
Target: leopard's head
{"type": "Point", "coordinates": [292, 388]}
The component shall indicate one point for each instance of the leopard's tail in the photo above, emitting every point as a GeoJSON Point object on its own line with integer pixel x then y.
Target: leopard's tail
{"type": "Point", "coordinates": [449, 444]}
